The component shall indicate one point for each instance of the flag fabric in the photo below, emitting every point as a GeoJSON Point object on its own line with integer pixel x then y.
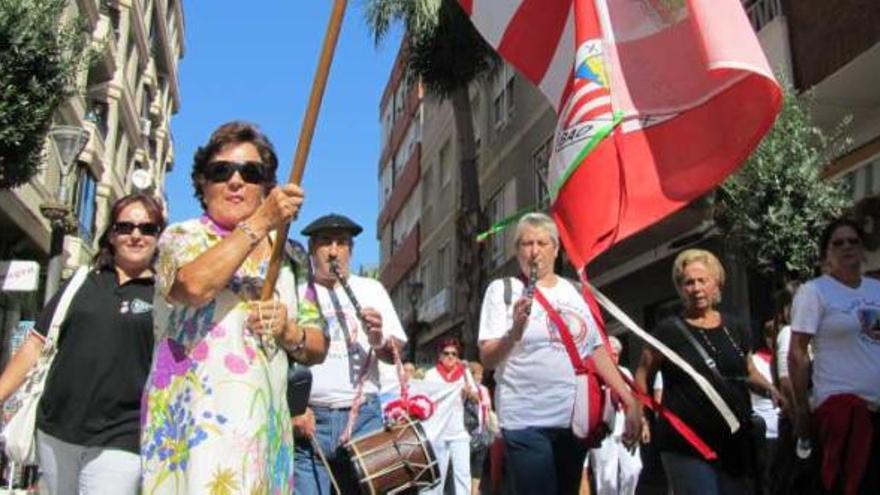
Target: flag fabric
{"type": "Point", "coordinates": [657, 102]}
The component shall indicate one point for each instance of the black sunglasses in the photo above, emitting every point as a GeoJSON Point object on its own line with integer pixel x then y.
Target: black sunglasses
{"type": "Point", "coordinates": [222, 171]}
{"type": "Point", "coordinates": [127, 228]}
{"type": "Point", "coordinates": [852, 241]}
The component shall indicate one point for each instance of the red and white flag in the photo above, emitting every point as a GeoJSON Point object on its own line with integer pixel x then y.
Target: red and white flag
{"type": "Point", "coordinates": [657, 102]}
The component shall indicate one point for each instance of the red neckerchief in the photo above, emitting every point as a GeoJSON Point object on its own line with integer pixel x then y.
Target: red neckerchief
{"type": "Point", "coordinates": [450, 376]}
{"type": "Point", "coordinates": [764, 354]}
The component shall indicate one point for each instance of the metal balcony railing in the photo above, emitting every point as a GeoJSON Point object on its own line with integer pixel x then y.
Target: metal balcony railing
{"type": "Point", "coordinates": [761, 12]}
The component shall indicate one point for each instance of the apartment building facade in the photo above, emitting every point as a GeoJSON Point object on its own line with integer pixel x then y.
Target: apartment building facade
{"type": "Point", "coordinates": [399, 177]}
{"type": "Point", "coordinates": [514, 128]}
{"type": "Point", "coordinates": [118, 128]}
{"type": "Point", "coordinates": [420, 191]}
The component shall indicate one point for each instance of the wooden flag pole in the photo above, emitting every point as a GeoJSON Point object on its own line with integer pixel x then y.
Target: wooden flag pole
{"type": "Point", "coordinates": [305, 137]}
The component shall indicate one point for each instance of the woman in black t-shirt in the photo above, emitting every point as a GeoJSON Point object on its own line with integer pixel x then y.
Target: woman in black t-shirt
{"type": "Point", "coordinates": [698, 277]}
{"type": "Point", "coordinates": [88, 418]}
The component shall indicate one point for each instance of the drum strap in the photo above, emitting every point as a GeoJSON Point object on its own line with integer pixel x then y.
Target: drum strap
{"type": "Point", "coordinates": [357, 362]}
{"type": "Point", "coordinates": [359, 390]}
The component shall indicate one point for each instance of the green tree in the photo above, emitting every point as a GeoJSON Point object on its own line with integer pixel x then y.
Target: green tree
{"type": "Point", "coordinates": [774, 208]}
{"type": "Point", "coordinates": [40, 57]}
{"type": "Point", "coordinates": [447, 54]}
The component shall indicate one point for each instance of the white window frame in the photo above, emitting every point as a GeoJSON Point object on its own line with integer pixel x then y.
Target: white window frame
{"type": "Point", "coordinates": [541, 166]}
{"type": "Point", "coordinates": [504, 101]}
{"type": "Point", "coordinates": [502, 205]}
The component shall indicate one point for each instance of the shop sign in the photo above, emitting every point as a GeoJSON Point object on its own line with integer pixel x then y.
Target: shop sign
{"type": "Point", "coordinates": [19, 275]}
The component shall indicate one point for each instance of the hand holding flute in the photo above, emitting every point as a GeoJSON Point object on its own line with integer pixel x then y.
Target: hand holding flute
{"type": "Point", "coordinates": [370, 318]}
{"type": "Point", "coordinates": [523, 307]}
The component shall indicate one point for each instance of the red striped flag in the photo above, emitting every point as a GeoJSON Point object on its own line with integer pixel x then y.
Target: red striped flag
{"type": "Point", "coordinates": [657, 102]}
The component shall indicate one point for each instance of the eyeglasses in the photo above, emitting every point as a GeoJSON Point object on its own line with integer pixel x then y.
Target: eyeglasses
{"type": "Point", "coordinates": [222, 171]}
{"type": "Point", "coordinates": [852, 241]}
{"type": "Point", "coordinates": [127, 228]}
{"type": "Point", "coordinates": [450, 353]}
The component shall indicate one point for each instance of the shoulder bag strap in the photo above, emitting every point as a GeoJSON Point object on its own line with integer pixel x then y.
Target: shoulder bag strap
{"type": "Point", "coordinates": [573, 354]}
{"type": "Point", "coordinates": [721, 382]}
{"type": "Point", "coordinates": [508, 291]}
{"type": "Point", "coordinates": [713, 367]}
{"type": "Point", "coordinates": [64, 303]}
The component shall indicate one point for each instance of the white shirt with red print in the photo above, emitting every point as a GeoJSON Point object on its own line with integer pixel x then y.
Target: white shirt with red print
{"type": "Point", "coordinates": [535, 383]}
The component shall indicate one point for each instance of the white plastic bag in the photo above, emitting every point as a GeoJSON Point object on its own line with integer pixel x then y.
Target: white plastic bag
{"type": "Point", "coordinates": [18, 434]}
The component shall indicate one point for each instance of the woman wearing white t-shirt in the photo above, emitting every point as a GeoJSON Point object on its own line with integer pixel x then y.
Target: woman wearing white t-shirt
{"type": "Point", "coordinates": [453, 444]}
{"type": "Point", "coordinates": [535, 379]}
{"type": "Point", "coordinates": [837, 314]}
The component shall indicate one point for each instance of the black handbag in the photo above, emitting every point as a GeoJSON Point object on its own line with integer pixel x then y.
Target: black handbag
{"type": "Point", "coordinates": [471, 416]}
{"type": "Point", "coordinates": [299, 386]}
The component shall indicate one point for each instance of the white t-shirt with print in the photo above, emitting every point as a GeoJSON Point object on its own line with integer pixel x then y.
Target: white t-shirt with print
{"type": "Point", "coordinates": [333, 381]}
{"type": "Point", "coordinates": [535, 383]}
{"type": "Point", "coordinates": [846, 336]}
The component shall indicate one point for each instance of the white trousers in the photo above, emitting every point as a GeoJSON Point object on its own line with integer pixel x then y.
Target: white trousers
{"type": "Point", "coordinates": [616, 469]}
{"type": "Point", "coordinates": [70, 469]}
{"type": "Point", "coordinates": [459, 451]}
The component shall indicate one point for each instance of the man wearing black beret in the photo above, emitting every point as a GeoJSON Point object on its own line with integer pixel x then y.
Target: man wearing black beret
{"type": "Point", "coordinates": [348, 362]}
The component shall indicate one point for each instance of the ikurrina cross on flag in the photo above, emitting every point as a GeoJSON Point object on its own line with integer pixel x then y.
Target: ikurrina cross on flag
{"type": "Point", "coordinates": [657, 102]}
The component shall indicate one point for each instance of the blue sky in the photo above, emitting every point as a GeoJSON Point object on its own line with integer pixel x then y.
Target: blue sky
{"type": "Point", "coordinates": [255, 61]}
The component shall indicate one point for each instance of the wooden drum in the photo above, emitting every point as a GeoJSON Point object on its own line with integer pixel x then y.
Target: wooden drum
{"type": "Point", "coordinates": [394, 459]}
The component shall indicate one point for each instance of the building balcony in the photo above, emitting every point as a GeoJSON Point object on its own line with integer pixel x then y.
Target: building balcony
{"type": "Point", "coordinates": [404, 259]}
{"type": "Point", "coordinates": [93, 153]}
{"type": "Point", "coordinates": [164, 55]}
{"type": "Point", "coordinates": [826, 36]}
{"type": "Point", "coordinates": [103, 43]}
{"type": "Point", "coordinates": [129, 116]}
{"type": "Point", "coordinates": [139, 31]}
{"type": "Point", "coordinates": [762, 12]}
{"type": "Point", "coordinates": [402, 124]}
{"type": "Point", "coordinates": [403, 187]}
{"type": "Point", "coordinates": [397, 73]}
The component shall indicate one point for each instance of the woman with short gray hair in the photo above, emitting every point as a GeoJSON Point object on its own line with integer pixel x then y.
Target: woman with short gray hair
{"type": "Point", "coordinates": [535, 377]}
{"type": "Point", "coordinates": [537, 221]}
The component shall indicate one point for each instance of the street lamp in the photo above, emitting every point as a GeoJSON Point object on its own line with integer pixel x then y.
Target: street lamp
{"type": "Point", "coordinates": [415, 293]}
{"type": "Point", "coordinates": [69, 141]}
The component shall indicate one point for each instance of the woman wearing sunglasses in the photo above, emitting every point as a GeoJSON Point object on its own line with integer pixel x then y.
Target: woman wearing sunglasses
{"type": "Point", "coordinates": [452, 442]}
{"type": "Point", "coordinates": [216, 416]}
{"type": "Point", "coordinates": [88, 418]}
{"type": "Point", "coordinates": [838, 315]}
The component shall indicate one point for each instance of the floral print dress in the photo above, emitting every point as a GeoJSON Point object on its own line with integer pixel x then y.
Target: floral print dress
{"type": "Point", "coordinates": [215, 416]}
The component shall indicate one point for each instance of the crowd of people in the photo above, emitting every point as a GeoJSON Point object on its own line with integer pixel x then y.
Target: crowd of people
{"type": "Point", "coordinates": [171, 374]}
